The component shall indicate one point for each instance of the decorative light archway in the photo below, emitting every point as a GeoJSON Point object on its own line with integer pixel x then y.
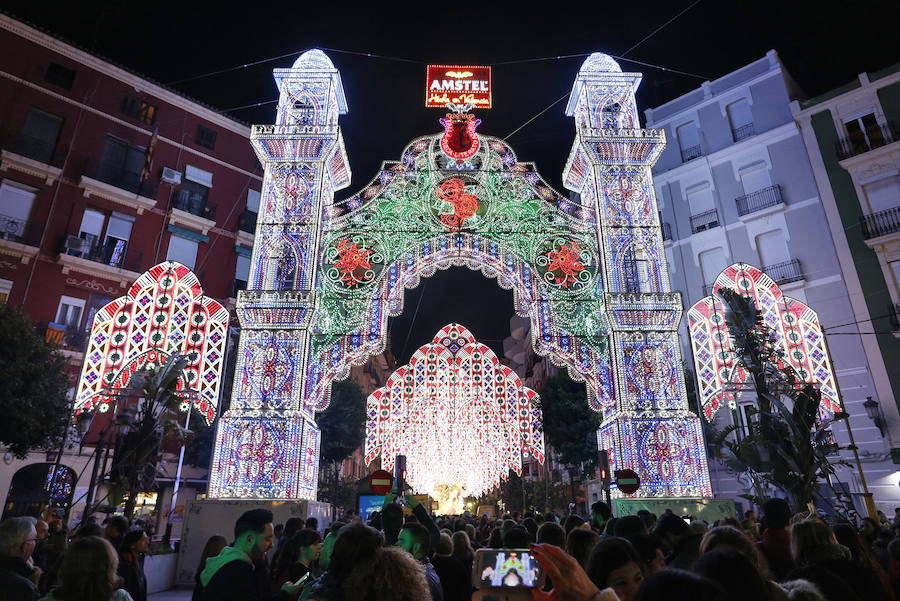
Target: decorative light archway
{"type": "Point", "coordinates": [797, 333]}
{"type": "Point", "coordinates": [462, 419]}
{"type": "Point", "coordinates": [588, 270]}
{"type": "Point", "coordinates": [164, 312]}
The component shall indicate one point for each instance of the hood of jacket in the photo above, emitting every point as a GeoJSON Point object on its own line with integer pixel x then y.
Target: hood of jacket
{"type": "Point", "coordinates": [214, 564]}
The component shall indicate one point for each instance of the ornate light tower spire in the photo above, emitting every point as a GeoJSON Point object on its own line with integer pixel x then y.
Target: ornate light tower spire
{"type": "Point", "coordinates": [267, 445]}
{"type": "Point", "coordinates": [649, 428]}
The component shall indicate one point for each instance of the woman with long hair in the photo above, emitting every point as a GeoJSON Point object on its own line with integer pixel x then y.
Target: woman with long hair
{"type": "Point", "coordinates": [131, 563]}
{"type": "Point", "coordinates": [88, 573]}
{"type": "Point", "coordinates": [294, 561]}
{"type": "Point", "coordinates": [213, 547]}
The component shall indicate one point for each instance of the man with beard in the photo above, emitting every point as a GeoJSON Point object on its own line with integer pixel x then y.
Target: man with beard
{"type": "Point", "coordinates": [230, 575]}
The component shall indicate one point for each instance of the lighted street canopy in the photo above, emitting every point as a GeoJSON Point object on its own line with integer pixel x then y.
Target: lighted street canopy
{"type": "Point", "coordinates": [462, 419]}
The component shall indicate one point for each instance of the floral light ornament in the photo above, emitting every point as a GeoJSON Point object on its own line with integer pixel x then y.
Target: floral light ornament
{"type": "Point", "coordinates": [465, 205]}
{"type": "Point", "coordinates": [350, 259]}
{"type": "Point", "coordinates": [565, 264]}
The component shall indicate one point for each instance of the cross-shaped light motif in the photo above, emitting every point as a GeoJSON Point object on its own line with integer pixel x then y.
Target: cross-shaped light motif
{"type": "Point", "coordinates": [268, 368]}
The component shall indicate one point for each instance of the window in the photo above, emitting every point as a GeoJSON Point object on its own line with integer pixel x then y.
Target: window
{"type": "Point", "coordinates": [864, 133]}
{"type": "Point", "coordinates": [253, 200]}
{"type": "Point", "coordinates": [69, 312]}
{"type": "Point", "coordinates": [712, 263]}
{"type": "Point", "coordinates": [118, 234]}
{"type": "Point", "coordinates": [5, 290]}
{"type": "Point", "coordinates": [138, 109]}
{"type": "Point", "coordinates": [194, 191]}
{"type": "Point", "coordinates": [755, 178]}
{"type": "Point", "coordinates": [95, 303]}
{"type": "Point", "coordinates": [183, 250]}
{"type": "Point", "coordinates": [637, 271]}
{"type": "Point", "coordinates": [741, 119]}
{"type": "Point", "coordinates": [121, 164]}
{"type": "Point", "coordinates": [772, 249]}
{"type": "Point", "coordinates": [39, 134]}
{"type": "Point", "coordinates": [883, 193]}
{"type": "Point", "coordinates": [689, 141]}
{"type": "Point", "coordinates": [60, 76]}
{"type": "Point", "coordinates": [92, 226]}
{"type": "Point", "coordinates": [700, 199]}
{"type": "Point", "coordinates": [16, 201]}
{"type": "Point", "coordinates": [241, 273]}
{"type": "Point", "coordinates": [205, 137]}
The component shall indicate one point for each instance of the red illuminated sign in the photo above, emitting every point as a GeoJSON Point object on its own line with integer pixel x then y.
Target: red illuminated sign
{"type": "Point", "coordinates": [458, 84]}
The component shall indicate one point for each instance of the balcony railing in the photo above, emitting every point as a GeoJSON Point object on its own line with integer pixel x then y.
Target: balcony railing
{"type": "Point", "coordinates": [37, 149]}
{"type": "Point", "coordinates": [742, 132]}
{"type": "Point", "coordinates": [247, 221]}
{"type": "Point", "coordinates": [690, 153]}
{"type": "Point", "coordinates": [785, 272]}
{"type": "Point", "coordinates": [874, 138]}
{"type": "Point", "coordinates": [666, 230]}
{"type": "Point", "coordinates": [195, 205]}
{"type": "Point", "coordinates": [114, 253]}
{"type": "Point", "coordinates": [704, 221]}
{"type": "Point", "coordinates": [116, 175]}
{"type": "Point", "coordinates": [880, 223]}
{"type": "Point", "coordinates": [761, 199]}
{"type": "Point", "coordinates": [17, 230]}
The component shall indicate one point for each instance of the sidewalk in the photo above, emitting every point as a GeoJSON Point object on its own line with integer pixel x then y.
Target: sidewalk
{"type": "Point", "coordinates": [175, 594]}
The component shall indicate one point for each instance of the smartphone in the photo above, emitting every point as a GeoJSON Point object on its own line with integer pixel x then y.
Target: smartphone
{"type": "Point", "coordinates": [506, 568]}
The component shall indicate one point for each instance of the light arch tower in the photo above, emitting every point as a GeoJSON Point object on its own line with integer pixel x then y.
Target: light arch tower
{"type": "Point", "coordinates": [649, 427]}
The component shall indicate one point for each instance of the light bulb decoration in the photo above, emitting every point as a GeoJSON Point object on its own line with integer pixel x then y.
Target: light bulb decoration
{"type": "Point", "coordinates": [797, 331]}
{"type": "Point", "coordinates": [462, 419]}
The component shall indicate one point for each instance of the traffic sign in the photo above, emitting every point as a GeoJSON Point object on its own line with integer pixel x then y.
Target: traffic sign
{"type": "Point", "coordinates": [381, 482]}
{"type": "Point", "coordinates": [628, 481]}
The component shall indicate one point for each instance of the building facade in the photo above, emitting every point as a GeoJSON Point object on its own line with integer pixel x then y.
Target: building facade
{"type": "Point", "coordinates": [104, 174]}
{"type": "Point", "coordinates": [735, 184]}
{"type": "Point", "coordinates": [852, 141]}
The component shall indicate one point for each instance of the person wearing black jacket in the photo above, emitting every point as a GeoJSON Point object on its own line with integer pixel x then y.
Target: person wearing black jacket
{"type": "Point", "coordinates": [231, 575]}
{"type": "Point", "coordinates": [131, 564]}
{"type": "Point", "coordinates": [17, 541]}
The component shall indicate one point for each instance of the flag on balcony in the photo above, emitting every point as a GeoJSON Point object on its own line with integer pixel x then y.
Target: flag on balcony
{"type": "Point", "coordinates": [55, 333]}
{"type": "Point", "coordinates": [148, 155]}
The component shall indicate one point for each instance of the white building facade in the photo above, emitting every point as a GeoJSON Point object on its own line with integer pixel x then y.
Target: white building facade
{"type": "Point", "coordinates": [735, 184]}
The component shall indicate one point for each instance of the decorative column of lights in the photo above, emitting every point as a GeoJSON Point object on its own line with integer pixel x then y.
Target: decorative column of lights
{"type": "Point", "coordinates": [267, 445]}
{"type": "Point", "coordinates": [164, 312]}
{"type": "Point", "coordinates": [648, 427]}
{"type": "Point", "coordinates": [797, 333]}
{"type": "Point", "coordinates": [462, 419]}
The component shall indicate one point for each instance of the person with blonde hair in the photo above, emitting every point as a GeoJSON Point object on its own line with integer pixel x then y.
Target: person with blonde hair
{"type": "Point", "coordinates": [88, 573]}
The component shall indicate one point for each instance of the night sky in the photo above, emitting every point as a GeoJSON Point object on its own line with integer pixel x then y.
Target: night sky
{"type": "Point", "coordinates": [823, 44]}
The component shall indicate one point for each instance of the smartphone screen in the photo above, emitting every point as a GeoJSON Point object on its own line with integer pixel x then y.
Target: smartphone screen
{"type": "Point", "coordinates": [507, 568]}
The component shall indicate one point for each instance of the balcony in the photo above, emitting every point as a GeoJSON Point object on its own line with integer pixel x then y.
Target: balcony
{"type": "Point", "coordinates": [785, 272]}
{"type": "Point", "coordinates": [881, 223]}
{"type": "Point", "coordinates": [119, 185]}
{"type": "Point", "coordinates": [112, 260]}
{"type": "Point", "coordinates": [742, 132]}
{"type": "Point", "coordinates": [666, 230]}
{"type": "Point", "coordinates": [18, 239]}
{"type": "Point", "coordinates": [759, 200]}
{"type": "Point", "coordinates": [193, 211]}
{"type": "Point", "coordinates": [690, 153]}
{"type": "Point", "coordinates": [875, 137]}
{"type": "Point", "coordinates": [33, 156]}
{"type": "Point", "coordinates": [706, 220]}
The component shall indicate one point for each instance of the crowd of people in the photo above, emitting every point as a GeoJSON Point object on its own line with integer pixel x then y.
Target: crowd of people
{"type": "Point", "coordinates": [418, 557]}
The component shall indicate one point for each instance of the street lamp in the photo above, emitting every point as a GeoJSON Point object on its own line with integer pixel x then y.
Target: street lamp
{"type": "Point", "coordinates": [873, 410]}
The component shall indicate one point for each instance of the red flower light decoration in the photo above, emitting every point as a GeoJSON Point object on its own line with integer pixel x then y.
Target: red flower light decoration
{"type": "Point", "coordinates": [564, 264]}
{"type": "Point", "coordinates": [464, 204]}
{"type": "Point", "coordinates": [351, 258]}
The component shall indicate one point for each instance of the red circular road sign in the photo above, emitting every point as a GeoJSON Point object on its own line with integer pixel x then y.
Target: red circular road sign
{"type": "Point", "coordinates": [628, 481]}
{"type": "Point", "coordinates": [381, 482]}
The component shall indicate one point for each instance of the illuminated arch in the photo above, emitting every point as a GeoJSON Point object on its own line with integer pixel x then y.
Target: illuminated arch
{"type": "Point", "coordinates": [460, 417]}
{"type": "Point", "coordinates": [797, 333]}
{"type": "Point", "coordinates": [164, 312]}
